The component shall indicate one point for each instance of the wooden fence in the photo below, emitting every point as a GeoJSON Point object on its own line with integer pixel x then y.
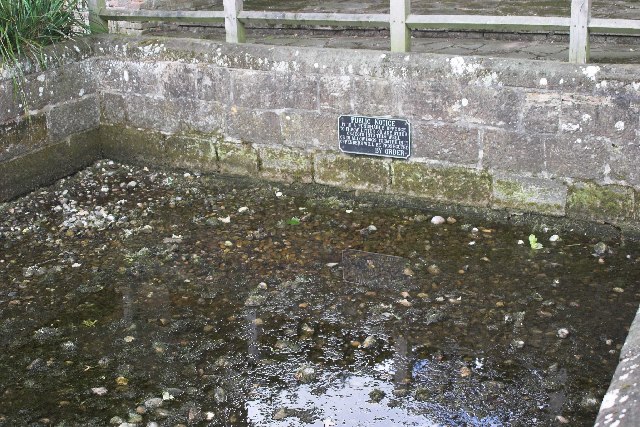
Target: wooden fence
{"type": "Point", "coordinates": [400, 22]}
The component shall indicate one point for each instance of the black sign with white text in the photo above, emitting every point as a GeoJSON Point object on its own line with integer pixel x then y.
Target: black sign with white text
{"type": "Point", "coordinates": [375, 136]}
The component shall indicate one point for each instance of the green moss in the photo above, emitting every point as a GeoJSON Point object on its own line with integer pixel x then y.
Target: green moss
{"type": "Point", "coordinates": [610, 203]}
{"type": "Point", "coordinates": [529, 195]}
{"type": "Point", "coordinates": [451, 185]}
{"type": "Point", "coordinates": [281, 164]}
{"type": "Point", "coordinates": [354, 172]}
{"type": "Point", "coordinates": [144, 147]}
{"type": "Point", "coordinates": [237, 159]}
{"type": "Point", "coordinates": [44, 166]}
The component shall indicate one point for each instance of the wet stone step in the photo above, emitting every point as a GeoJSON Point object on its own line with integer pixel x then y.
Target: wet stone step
{"type": "Point", "coordinates": [190, 299]}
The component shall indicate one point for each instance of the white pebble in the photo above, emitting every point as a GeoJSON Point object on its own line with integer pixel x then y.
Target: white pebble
{"type": "Point", "coordinates": [100, 391]}
{"type": "Point", "coordinates": [132, 184]}
{"type": "Point", "coordinates": [554, 238]}
{"type": "Point", "coordinates": [278, 193]}
{"type": "Point", "coordinates": [437, 220]}
{"type": "Point", "coordinates": [563, 333]}
{"type": "Point", "coordinates": [243, 209]}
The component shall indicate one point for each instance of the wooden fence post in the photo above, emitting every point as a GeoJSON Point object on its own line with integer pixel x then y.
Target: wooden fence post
{"type": "Point", "coordinates": [400, 34]}
{"type": "Point", "coordinates": [233, 27]}
{"type": "Point", "coordinates": [579, 33]}
{"type": "Point", "coordinates": [96, 23]}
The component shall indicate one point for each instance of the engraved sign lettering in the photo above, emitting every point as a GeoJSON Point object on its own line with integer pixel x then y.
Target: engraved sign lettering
{"type": "Point", "coordinates": [375, 136]}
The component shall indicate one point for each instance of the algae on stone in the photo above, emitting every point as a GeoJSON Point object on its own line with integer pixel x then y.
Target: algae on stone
{"type": "Point", "coordinates": [600, 202]}
{"type": "Point", "coordinates": [468, 187]}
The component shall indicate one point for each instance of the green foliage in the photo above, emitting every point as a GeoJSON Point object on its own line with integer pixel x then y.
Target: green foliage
{"type": "Point", "coordinates": [294, 221]}
{"type": "Point", "coordinates": [27, 26]}
{"type": "Point", "coordinates": [533, 241]}
{"type": "Point", "coordinates": [89, 323]}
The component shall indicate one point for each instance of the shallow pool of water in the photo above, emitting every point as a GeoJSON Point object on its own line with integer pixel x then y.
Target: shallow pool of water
{"type": "Point", "coordinates": [142, 297]}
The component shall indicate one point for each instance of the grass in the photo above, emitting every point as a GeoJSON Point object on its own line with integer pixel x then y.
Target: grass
{"type": "Point", "coordinates": [28, 26]}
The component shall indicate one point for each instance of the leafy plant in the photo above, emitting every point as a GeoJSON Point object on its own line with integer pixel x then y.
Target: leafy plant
{"type": "Point", "coordinates": [293, 221]}
{"type": "Point", "coordinates": [533, 241]}
{"type": "Point", "coordinates": [27, 26]}
{"type": "Point", "coordinates": [89, 323]}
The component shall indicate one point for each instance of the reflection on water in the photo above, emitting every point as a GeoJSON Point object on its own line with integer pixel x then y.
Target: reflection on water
{"type": "Point", "coordinates": [198, 301]}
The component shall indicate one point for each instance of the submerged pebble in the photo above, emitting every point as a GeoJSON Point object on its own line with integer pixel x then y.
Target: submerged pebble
{"type": "Point", "coordinates": [181, 264]}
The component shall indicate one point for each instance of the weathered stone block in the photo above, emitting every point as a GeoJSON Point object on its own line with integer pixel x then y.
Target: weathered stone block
{"type": "Point", "coordinates": [174, 115]}
{"type": "Point", "coordinates": [439, 100]}
{"type": "Point", "coordinates": [576, 157]}
{"type": "Point", "coordinates": [357, 95]}
{"type": "Point", "coordinates": [47, 164]}
{"type": "Point", "coordinates": [54, 86]}
{"type": "Point", "coordinates": [17, 138]}
{"type": "Point", "coordinates": [284, 164]}
{"type": "Point", "coordinates": [609, 203]}
{"type": "Point", "coordinates": [113, 108]}
{"type": "Point", "coordinates": [624, 161]}
{"type": "Point", "coordinates": [490, 106]}
{"type": "Point", "coordinates": [542, 196]}
{"type": "Point", "coordinates": [206, 83]}
{"type": "Point", "coordinates": [9, 104]}
{"type": "Point", "coordinates": [146, 147]}
{"type": "Point", "coordinates": [73, 117]}
{"type": "Point", "coordinates": [468, 187]}
{"type": "Point", "coordinates": [513, 151]}
{"type": "Point", "coordinates": [336, 94]}
{"type": "Point", "coordinates": [354, 172]}
{"type": "Point", "coordinates": [262, 127]}
{"type": "Point", "coordinates": [130, 145]}
{"type": "Point", "coordinates": [257, 89]}
{"type": "Point", "coordinates": [445, 142]}
{"type": "Point", "coordinates": [237, 159]}
{"type": "Point", "coordinates": [541, 112]}
{"type": "Point", "coordinates": [309, 129]}
{"type": "Point", "coordinates": [191, 153]}
{"type": "Point", "coordinates": [142, 78]}
{"type": "Point", "coordinates": [604, 116]}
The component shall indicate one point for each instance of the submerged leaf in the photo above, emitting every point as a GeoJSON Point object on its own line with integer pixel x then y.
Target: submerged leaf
{"type": "Point", "coordinates": [533, 241]}
{"type": "Point", "coordinates": [294, 221]}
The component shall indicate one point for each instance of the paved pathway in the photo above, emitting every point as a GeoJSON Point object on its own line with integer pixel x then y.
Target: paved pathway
{"type": "Point", "coordinates": [603, 50]}
{"type": "Point", "coordinates": [621, 9]}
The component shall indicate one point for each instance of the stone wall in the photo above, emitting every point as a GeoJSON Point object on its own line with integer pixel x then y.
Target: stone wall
{"type": "Point", "coordinates": [509, 134]}
{"type": "Point", "coordinates": [506, 134]}
{"type": "Point", "coordinates": [48, 120]}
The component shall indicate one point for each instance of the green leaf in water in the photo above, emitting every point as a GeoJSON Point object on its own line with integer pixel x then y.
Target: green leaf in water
{"type": "Point", "coordinates": [533, 241]}
{"type": "Point", "coordinates": [89, 323]}
{"type": "Point", "coordinates": [294, 221]}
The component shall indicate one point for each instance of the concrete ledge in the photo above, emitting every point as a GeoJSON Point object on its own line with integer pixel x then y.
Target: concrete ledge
{"type": "Point", "coordinates": [621, 405]}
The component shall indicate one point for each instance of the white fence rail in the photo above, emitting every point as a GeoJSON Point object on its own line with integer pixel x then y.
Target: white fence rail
{"type": "Point", "coordinates": [400, 22]}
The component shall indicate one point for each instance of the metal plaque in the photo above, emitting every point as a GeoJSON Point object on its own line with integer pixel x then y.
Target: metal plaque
{"type": "Point", "coordinates": [375, 136]}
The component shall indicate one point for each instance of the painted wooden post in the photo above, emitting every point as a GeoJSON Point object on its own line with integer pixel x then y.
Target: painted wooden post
{"type": "Point", "coordinates": [400, 34]}
{"type": "Point", "coordinates": [233, 27]}
{"type": "Point", "coordinates": [96, 23]}
{"type": "Point", "coordinates": [579, 33]}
